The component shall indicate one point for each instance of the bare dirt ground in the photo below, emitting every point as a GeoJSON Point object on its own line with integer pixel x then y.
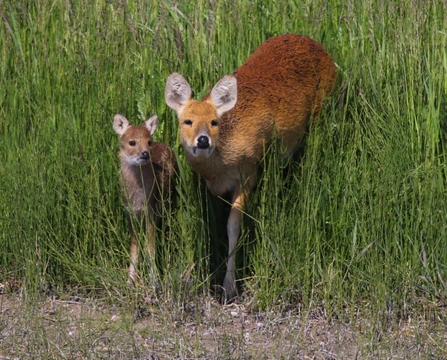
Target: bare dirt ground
{"type": "Point", "coordinates": [77, 328]}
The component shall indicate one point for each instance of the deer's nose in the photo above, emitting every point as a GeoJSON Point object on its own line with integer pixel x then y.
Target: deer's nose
{"type": "Point", "coordinates": [203, 142]}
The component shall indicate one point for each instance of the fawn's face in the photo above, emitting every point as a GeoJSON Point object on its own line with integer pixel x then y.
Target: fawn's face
{"type": "Point", "coordinates": [136, 143]}
{"type": "Point", "coordinates": [199, 128]}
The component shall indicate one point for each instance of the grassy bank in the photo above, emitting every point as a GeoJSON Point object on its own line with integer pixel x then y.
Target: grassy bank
{"type": "Point", "coordinates": [356, 226]}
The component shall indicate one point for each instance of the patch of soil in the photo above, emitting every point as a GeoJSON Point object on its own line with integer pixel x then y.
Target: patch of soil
{"type": "Point", "coordinates": [203, 329]}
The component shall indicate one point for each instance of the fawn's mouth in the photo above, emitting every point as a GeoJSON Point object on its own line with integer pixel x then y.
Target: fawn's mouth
{"type": "Point", "coordinates": [142, 160]}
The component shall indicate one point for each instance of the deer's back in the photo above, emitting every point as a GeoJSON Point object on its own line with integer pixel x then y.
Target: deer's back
{"type": "Point", "coordinates": [279, 88]}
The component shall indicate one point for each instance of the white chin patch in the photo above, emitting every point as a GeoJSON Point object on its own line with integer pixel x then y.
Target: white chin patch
{"type": "Point", "coordinates": [131, 160]}
{"type": "Point", "coordinates": [197, 152]}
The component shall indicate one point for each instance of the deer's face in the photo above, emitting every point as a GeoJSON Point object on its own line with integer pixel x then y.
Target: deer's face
{"type": "Point", "coordinates": [199, 128]}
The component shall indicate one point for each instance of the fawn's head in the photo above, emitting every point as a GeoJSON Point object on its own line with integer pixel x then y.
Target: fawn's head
{"type": "Point", "coordinates": [199, 120]}
{"type": "Point", "coordinates": [136, 141]}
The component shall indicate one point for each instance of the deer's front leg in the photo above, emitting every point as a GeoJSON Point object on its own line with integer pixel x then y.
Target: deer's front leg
{"type": "Point", "coordinates": [233, 231]}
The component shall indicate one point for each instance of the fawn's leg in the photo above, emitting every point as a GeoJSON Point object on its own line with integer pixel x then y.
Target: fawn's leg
{"type": "Point", "coordinates": [133, 258]}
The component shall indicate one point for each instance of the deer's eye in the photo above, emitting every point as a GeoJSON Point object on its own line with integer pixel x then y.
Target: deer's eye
{"type": "Point", "coordinates": [214, 123]}
{"type": "Point", "coordinates": [132, 143]}
{"type": "Point", "coordinates": [149, 143]}
{"type": "Point", "coordinates": [187, 122]}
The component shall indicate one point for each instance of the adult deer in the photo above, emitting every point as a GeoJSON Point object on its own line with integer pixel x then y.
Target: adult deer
{"type": "Point", "coordinates": [272, 95]}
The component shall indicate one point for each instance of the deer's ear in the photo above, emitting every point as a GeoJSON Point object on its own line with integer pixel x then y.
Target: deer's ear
{"type": "Point", "coordinates": [120, 124]}
{"type": "Point", "coordinates": [224, 94]}
{"type": "Point", "coordinates": [177, 91]}
{"type": "Point", "coordinates": [152, 123]}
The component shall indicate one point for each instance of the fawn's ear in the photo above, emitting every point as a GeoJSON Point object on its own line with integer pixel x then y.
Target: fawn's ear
{"type": "Point", "coordinates": [120, 124]}
{"type": "Point", "coordinates": [224, 94]}
{"type": "Point", "coordinates": [177, 91]}
{"type": "Point", "coordinates": [152, 123]}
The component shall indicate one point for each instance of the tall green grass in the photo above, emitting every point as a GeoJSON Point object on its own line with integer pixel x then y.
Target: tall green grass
{"type": "Point", "coordinates": [358, 221]}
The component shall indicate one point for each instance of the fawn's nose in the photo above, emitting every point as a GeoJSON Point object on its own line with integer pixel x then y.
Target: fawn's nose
{"type": "Point", "coordinates": [203, 142]}
{"type": "Point", "coordinates": [145, 155]}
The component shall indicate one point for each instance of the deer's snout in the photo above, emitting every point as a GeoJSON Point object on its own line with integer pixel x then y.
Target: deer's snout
{"type": "Point", "coordinates": [145, 155]}
{"type": "Point", "coordinates": [203, 142]}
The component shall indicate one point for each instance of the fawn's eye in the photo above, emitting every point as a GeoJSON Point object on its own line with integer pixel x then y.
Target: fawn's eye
{"type": "Point", "coordinates": [149, 143]}
{"type": "Point", "coordinates": [132, 143]}
{"type": "Point", "coordinates": [214, 123]}
{"type": "Point", "coordinates": [188, 122]}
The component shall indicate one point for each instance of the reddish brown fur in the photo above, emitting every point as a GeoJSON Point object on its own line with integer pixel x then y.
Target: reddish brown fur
{"type": "Point", "coordinates": [146, 181]}
{"type": "Point", "coordinates": [279, 89]}
{"type": "Point", "coordinates": [282, 83]}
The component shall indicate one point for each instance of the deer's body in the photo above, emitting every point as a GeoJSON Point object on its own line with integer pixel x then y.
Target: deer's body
{"type": "Point", "coordinates": [147, 171]}
{"type": "Point", "coordinates": [272, 95]}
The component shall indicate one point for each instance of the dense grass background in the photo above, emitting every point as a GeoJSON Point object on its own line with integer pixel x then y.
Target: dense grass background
{"type": "Point", "coordinates": [358, 222]}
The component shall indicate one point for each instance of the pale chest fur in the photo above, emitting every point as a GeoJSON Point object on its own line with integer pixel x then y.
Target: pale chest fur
{"type": "Point", "coordinates": [221, 177]}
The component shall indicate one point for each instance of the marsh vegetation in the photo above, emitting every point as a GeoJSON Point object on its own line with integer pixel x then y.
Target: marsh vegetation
{"type": "Point", "coordinates": [348, 240]}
